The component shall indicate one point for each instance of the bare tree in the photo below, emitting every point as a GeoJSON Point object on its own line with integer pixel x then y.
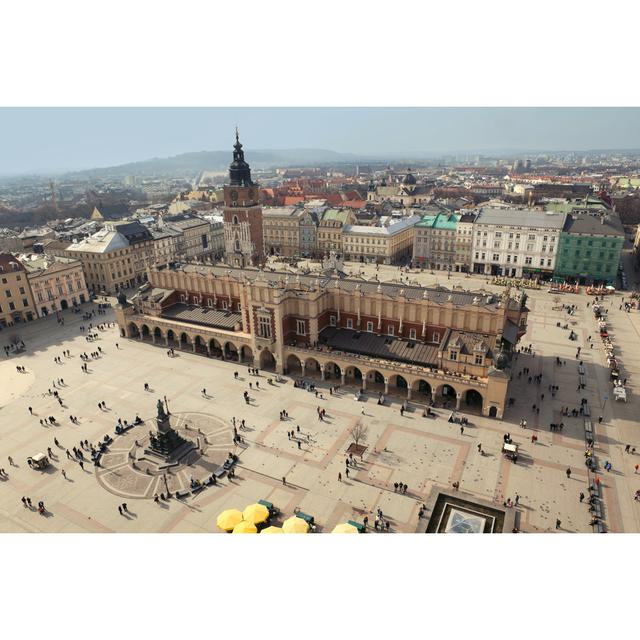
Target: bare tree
{"type": "Point", "coordinates": [359, 432]}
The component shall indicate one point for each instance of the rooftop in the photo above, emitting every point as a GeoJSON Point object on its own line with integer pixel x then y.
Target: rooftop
{"type": "Point", "coordinates": [594, 225]}
{"type": "Point", "coordinates": [511, 217]}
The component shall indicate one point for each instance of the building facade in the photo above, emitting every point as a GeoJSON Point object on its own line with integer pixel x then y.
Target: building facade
{"type": "Point", "coordinates": [590, 248]}
{"type": "Point", "coordinates": [56, 284]}
{"type": "Point", "coordinates": [389, 243]}
{"type": "Point", "coordinates": [435, 241]}
{"type": "Point", "coordinates": [16, 300]}
{"type": "Point", "coordinates": [516, 242]}
{"type": "Point", "coordinates": [464, 242]}
{"type": "Point", "coordinates": [242, 215]}
{"type": "Point", "coordinates": [425, 345]}
{"type": "Point", "coordinates": [281, 230]}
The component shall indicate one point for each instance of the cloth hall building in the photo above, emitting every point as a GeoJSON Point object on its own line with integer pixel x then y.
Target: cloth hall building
{"type": "Point", "coordinates": [452, 348]}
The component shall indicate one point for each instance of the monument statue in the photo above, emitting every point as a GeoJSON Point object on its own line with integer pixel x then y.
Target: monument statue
{"type": "Point", "coordinates": [162, 414]}
{"type": "Point", "coordinates": [166, 442]}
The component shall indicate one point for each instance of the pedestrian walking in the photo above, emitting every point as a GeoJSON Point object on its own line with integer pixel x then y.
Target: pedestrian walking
{"type": "Point", "coordinates": [558, 523]}
{"type": "Point", "coordinates": [461, 430]}
{"type": "Point", "coordinates": [581, 496]}
{"type": "Point", "coordinates": [119, 509]}
{"type": "Point", "coordinates": [568, 472]}
{"type": "Point", "coordinates": [64, 473]}
{"type": "Point", "coordinates": [31, 410]}
{"type": "Point", "coordinates": [339, 477]}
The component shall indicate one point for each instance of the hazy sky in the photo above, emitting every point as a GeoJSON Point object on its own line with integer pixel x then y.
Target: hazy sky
{"type": "Point", "coordinates": [58, 139]}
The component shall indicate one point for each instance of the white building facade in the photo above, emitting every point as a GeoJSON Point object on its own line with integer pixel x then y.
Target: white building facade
{"type": "Point", "coordinates": [516, 242]}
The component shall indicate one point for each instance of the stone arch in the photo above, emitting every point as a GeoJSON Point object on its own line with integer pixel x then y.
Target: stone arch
{"type": "Point", "coordinates": [375, 380]}
{"type": "Point", "coordinates": [145, 332]}
{"type": "Point", "coordinates": [353, 375]}
{"type": "Point", "coordinates": [332, 371]}
{"type": "Point", "coordinates": [157, 333]}
{"type": "Point", "coordinates": [397, 381]}
{"type": "Point", "coordinates": [267, 360]}
{"type": "Point", "coordinates": [446, 394]}
{"type": "Point", "coordinates": [200, 345]}
{"type": "Point", "coordinates": [293, 364]}
{"type": "Point", "coordinates": [185, 340]}
{"type": "Point", "coordinates": [473, 399]}
{"type": "Point", "coordinates": [246, 353]}
{"type": "Point", "coordinates": [493, 412]}
{"type": "Point", "coordinates": [422, 389]}
{"type": "Point", "coordinates": [134, 332]}
{"type": "Point", "coordinates": [171, 338]}
{"type": "Point", "coordinates": [312, 368]}
{"type": "Point", "coordinates": [231, 352]}
{"type": "Point", "coordinates": [215, 348]}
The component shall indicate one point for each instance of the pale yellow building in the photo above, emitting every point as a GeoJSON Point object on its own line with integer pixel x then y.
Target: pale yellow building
{"type": "Point", "coordinates": [281, 230]}
{"type": "Point", "coordinates": [56, 283]}
{"type": "Point", "coordinates": [16, 301]}
{"type": "Point", "coordinates": [389, 243]}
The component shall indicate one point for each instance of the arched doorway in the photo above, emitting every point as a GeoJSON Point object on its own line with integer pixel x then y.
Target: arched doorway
{"type": "Point", "coordinates": [64, 304]}
{"type": "Point", "coordinates": [146, 332]}
{"type": "Point", "coordinates": [185, 341]}
{"type": "Point", "coordinates": [332, 371]}
{"type": "Point", "coordinates": [267, 361]}
{"type": "Point", "coordinates": [493, 412]}
{"type": "Point", "coordinates": [398, 384]}
{"type": "Point", "coordinates": [473, 400]}
{"type": "Point", "coordinates": [422, 390]}
{"type": "Point", "coordinates": [231, 352]}
{"type": "Point", "coordinates": [447, 395]}
{"type": "Point", "coordinates": [157, 334]}
{"type": "Point", "coordinates": [375, 381]}
{"type": "Point", "coordinates": [200, 345]}
{"type": "Point", "coordinates": [246, 354]}
{"type": "Point", "coordinates": [215, 348]}
{"type": "Point", "coordinates": [134, 332]}
{"type": "Point", "coordinates": [312, 368]}
{"type": "Point", "coordinates": [294, 366]}
{"type": "Point", "coordinates": [171, 339]}
{"type": "Point", "coordinates": [353, 375]}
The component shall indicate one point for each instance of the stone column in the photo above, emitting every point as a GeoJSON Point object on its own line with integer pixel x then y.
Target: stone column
{"type": "Point", "coordinates": [321, 372]}
{"type": "Point", "coordinates": [409, 392]}
{"type": "Point", "coordinates": [364, 383]}
{"type": "Point", "coordinates": [342, 377]}
{"type": "Point", "coordinates": [166, 341]}
{"type": "Point", "coordinates": [458, 400]}
{"type": "Point", "coordinates": [194, 346]}
{"type": "Point", "coordinates": [386, 386]}
{"type": "Point", "coordinates": [153, 338]}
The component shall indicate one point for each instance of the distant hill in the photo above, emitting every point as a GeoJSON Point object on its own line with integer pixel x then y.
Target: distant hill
{"type": "Point", "coordinates": [213, 160]}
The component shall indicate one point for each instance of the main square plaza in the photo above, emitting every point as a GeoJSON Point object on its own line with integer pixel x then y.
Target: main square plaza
{"type": "Point", "coordinates": [305, 471]}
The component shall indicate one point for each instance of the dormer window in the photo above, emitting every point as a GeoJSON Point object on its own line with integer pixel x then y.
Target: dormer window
{"type": "Point", "coordinates": [479, 358]}
{"type": "Point", "coordinates": [453, 354]}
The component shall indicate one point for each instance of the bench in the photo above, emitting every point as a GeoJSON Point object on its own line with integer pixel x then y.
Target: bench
{"type": "Point", "coordinates": [273, 511]}
{"type": "Point", "coordinates": [588, 427]}
{"type": "Point", "coordinates": [197, 488]}
{"type": "Point", "coordinates": [305, 516]}
{"type": "Point", "coordinates": [357, 525]}
{"type": "Point", "coordinates": [120, 429]}
{"type": "Point", "coordinates": [220, 471]}
{"type": "Point", "coordinates": [582, 380]}
{"type": "Point", "coordinates": [182, 494]}
{"type": "Point", "coordinates": [586, 411]}
{"type": "Point", "coordinates": [210, 480]}
{"type": "Point", "coordinates": [581, 370]}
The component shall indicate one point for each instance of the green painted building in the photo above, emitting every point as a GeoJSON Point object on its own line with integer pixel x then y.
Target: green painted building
{"type": "Point", "coordinates": [589, 248]}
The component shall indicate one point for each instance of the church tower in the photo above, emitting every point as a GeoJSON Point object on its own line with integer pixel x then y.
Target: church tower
{"type": "Point", "coordinates": [243, 238]}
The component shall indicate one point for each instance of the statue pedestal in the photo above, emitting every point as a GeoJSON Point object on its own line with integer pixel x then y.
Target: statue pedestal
{"type": "Point", "coordinates": [167, 441]}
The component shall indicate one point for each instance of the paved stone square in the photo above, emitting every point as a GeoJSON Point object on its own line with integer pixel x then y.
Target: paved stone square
{"type": "Point", "coordinates": [424, 453]}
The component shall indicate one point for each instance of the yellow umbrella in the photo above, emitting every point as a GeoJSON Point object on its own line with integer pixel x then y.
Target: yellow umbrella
{"type": "Point", "coordinates": [256, 513]}
{"type": "Point", "coordinates": [272, 530]}
{"type": "Point", "coordinates": [245, 527]}
{"type": "Point", "coordinates": [345, 528]}
{"type": "Point", "coordinates": [295, 525]}
{"type": "Point", "coordinates": [229, 519]}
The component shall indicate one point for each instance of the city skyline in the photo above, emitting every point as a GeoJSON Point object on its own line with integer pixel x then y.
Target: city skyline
{"type": "Point", "coordinates": [56, 140]}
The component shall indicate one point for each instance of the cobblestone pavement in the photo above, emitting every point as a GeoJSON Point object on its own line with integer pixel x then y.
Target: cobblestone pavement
{"type": "Point", "coordinates": [423, 453]}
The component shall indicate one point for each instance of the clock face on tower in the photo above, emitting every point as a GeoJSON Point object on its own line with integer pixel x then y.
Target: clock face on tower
{"type": "Point", "coordinates": [234, 195]}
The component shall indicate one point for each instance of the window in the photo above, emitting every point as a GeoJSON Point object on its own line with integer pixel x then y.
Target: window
{"type": "Point", "coordinates": [209, 303]}
{"type": "Point", "coordinates": [349, 323]}
{"type": "Point", "coordinates": [412, 334]}
{"type": "Point", "coordinates": [300, 328]}
{"type": "Point", "coordinates": [479, 358]}
{"type": "Point", "coordinates": [509, 258]}
{"type": "Point", "coordinates": [542, 262]}
{"type": "Point", "coordinates": [8, 293]}
{"type": "Point", "coordinates": [527, 260]}
{"type": "Point", "coordinates": [225, 305]}
{"type": "Point", "coordinates": [531, 237]}
{"type": "Point", "coordinates": [70, 286]}
{"type": "Point", "coordinates": [391, 330]}
{"type": "Point", "coordinates": [453, 355]}
{"type": "Point", "coordinates": [435, 337]}
{"type": "Point", "coordinates": [496, 257]}
{"type": "Point", "coordinates": [12, 306]}
{"type": "Point", "coordinates": [22, 290]}
{"type": "Point", "coordinates": [264, 327]}
{"type": "Point", "coordinates": [370, 327]}
{"type": "Point", "coordinates": [183, 298]}
{"type": "Point", "coordinates": [332, 321]}
{"type": "Point", "coordinates": [24, 302]}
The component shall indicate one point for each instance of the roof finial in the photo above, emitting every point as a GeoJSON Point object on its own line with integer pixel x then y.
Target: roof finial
{"type": "Point", "coordinates": [237, 135]}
